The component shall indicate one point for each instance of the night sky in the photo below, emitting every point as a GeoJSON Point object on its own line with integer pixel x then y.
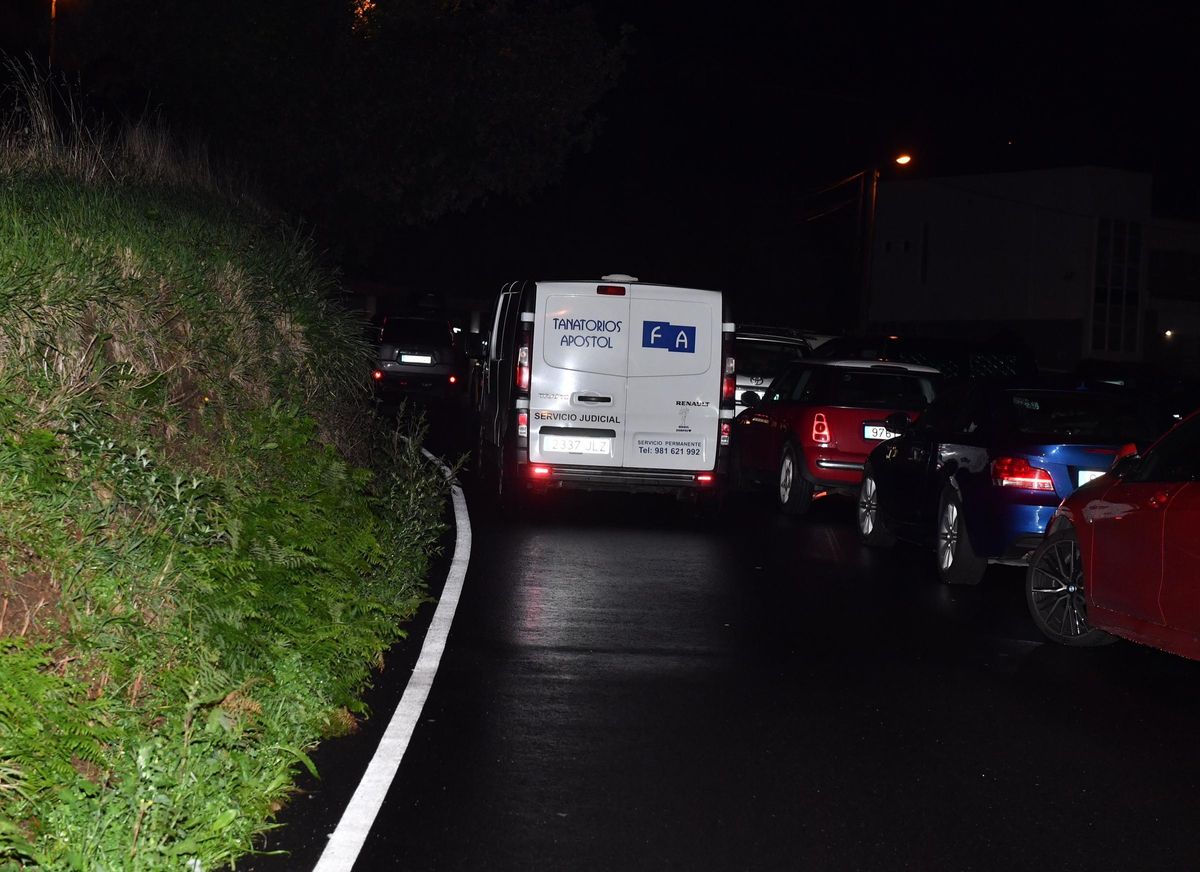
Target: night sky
{"type": "Point", "coordinates": [728, 116]}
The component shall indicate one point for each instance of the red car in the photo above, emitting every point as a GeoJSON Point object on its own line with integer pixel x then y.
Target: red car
{"type": "Point", "coordinates": [1122, 554]}
{"type": "Point", "coordinates": [812, 430]}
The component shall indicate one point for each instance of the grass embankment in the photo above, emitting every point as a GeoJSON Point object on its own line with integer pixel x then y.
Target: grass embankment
{"type": "Point", "coordinates": [199, 559]}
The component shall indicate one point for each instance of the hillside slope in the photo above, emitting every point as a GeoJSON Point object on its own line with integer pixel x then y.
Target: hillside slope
{"type": "Point", "coordinates": [204, 545]}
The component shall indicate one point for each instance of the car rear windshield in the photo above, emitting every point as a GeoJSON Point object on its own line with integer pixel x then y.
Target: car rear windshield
{"type": "Point", "coordinates": [765, 358]}
{"type": "Point", "coordinates": [880, 390]}
{"type": "Point", "coordinates": [1077, 417]}
{"type": "Point", "coordinates": [417, 331]}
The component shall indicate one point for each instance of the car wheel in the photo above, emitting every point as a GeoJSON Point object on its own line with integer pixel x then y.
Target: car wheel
{"type": "Point", "coordinates": [1054, 592]}
{"type": "Point", "coordinates": [795, 491]}
{"type": "Point", "coordinates": [956, 560]}
{"type": "Point", "coordinates": [871, 526]}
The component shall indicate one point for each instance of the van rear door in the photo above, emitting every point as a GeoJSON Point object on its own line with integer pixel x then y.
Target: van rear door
{"type": "Point", "coordinates": [577, 394]}
{"type": "Point", "coordinates": [674, 397]}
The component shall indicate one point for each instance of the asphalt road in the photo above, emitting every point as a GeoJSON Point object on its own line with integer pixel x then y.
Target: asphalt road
{"type": "Point", "coordinates": [627, 687]}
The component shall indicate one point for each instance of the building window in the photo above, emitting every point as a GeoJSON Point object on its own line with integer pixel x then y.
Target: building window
{"type": "Point", "coordinates": [1116, 299]}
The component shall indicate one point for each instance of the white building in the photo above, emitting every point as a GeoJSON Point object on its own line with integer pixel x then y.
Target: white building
{"type": "Point", "coordinates": [1072, 260]}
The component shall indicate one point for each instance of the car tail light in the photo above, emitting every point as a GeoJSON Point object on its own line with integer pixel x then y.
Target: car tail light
{"type": "Point", "coordinates": [726, 430]}
{"type": "Point", "coordinates": [611, 290]}
{"type": "Point", "coordinates": [377, 375]}
{"type": "Point", "coordinates": [1018, 472]}
{"type": "Point", "coordinates": [453, 379]}
{"type": "Point", "coordinates": [820, 429]}
{"type": "Point", "coordinates": [523, 424]}
{"type": "Point", "coordinates": [540, 471]}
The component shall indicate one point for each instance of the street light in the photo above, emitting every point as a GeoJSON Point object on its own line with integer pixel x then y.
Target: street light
{"type": "Point", "coordinates": [864, 222]}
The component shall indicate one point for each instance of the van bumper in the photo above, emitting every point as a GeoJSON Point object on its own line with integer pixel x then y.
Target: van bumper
{"type": "Point", "coordinates": [621, 479]}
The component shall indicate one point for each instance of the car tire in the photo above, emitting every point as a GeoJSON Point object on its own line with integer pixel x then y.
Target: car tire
{"type": "Point", "coordinates": [957, 562]}
{"type": "Point", "coordinates": [794, 491]}
{"type": "Point", "coordinates": [872, 529]}
{"type": "Point", "coordinates": [1054, 591]}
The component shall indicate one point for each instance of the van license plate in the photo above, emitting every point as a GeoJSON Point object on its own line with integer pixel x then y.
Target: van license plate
{"type": "Point", "coordinates": [877, 433]}
{"type": "Point", "coordinates": [415, 358]}
{"type": "Point", "coordinates": [576, 445]}
{"type": "Point", "coordinates": [1086, 475]}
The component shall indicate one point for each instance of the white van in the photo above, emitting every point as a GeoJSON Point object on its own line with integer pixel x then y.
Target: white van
{"type": "Point", "coordinates": [605, 385]}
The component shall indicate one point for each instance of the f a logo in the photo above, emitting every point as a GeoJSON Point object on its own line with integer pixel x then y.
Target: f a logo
{"type": "Point", "coordinates": [675, 338]}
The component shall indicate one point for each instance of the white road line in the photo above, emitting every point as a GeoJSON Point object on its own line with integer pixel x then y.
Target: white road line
{"type": "Point", "coordinates": [347, 840]}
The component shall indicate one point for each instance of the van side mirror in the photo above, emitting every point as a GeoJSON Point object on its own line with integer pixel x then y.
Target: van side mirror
{"type": "Point", "coordinates": [476, 346]}
{"type": "Point", "coordinates": [898, 422]}
{"type": "Point", "coordinates": [751, 398]}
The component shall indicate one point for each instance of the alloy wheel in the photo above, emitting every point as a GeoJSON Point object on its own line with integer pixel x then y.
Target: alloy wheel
{"type": "Point", "coordinates": [868, 506]}
{"type": "Point", "coordinates": [787, 472]}
{"type": "Point", "coordinates": [1057, 589]}
{"type": "Point", "coordinates": [948, 534]}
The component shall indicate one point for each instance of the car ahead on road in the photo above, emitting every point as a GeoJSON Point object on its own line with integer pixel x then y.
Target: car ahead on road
{"type": "Point", "coordinates": [613, 384]}
{"type": "Point", "coordinates": [1121, 556]}
{"type": "Point", "coordinates": [979, 475]}
{"type": "Point", "coordinates": [417, 357]}
{"type": "Point", "coordinates": [812, 430]}
{"type": "Point", "coordinates": [760, 354]}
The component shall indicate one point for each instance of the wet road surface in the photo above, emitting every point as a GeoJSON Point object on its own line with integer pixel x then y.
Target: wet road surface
{"type": "Point", "coordinates": [629, 687]}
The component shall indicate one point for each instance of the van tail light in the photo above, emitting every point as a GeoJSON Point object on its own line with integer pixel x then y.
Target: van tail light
{"type": "Point", "coordinates": [524, 356]}
{"type": "Point", "coordinates": [705, 479]}
{"type": "Point", "coordinates": [523, 424]}
{"type": "Point", "coordinates": [728, 371]}
{"type": "Point", "coordinates": [453, 379]}
{"type": "Point", "coordinates": [377, 375]}
{"type": "Point", "coordinates": [540, 471]}
{"type": "Point", "coordinates": [611, 290]}
{"type": "Point", "coordinates": [820, 429]}
{"type": "Point", "coordinates": [726, 430]}
{"type": "Point", "coordinates": [1018, 472]}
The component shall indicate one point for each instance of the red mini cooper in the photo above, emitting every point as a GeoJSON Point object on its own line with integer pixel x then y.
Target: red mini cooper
{"type": "Point", "coordinates": [812, 430]}
{"type": "Point", "coordinates": [1122, 554]}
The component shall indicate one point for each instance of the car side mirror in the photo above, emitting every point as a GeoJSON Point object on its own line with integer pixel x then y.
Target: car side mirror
{"type": "Point", "coordinates": [476, 346]}
{"type": "Point", "coordinates": [751, 398]}
{"type": "Point", "coordinates": [898, 422]}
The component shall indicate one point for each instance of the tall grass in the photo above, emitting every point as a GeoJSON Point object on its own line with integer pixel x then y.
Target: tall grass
{"type": "Point", "coordinates": [205, 540]}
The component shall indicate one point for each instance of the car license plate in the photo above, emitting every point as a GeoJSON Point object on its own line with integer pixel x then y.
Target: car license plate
{"type": "Point", "coordinates": [576, 445]}
{"type": "Point", "coordinates": [1086, 475]}
{"type": "Point", "coordinates": [877, 432]}
{"type": "Point", "coordinates": [415, 358]}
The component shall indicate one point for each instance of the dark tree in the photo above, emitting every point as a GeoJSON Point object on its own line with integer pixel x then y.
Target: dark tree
{"type": "Point", "coordinates": [408, 110]}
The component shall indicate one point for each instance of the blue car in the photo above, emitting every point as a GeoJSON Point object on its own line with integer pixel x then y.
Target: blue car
{"type": "Point", "coordinates": [979, 474]}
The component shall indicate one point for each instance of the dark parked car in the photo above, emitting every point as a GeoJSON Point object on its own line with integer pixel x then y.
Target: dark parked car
{"type": "Point", "coordinates": [1121, 556]}
{"type": "Point", "coordinates": [812, 430]}
{"type": "Point", "coordinates": [759, 355]}
{"type": "Point", "coordinates": [418, 357]}
{"type": "Point", "coordinates": [981, 473]}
